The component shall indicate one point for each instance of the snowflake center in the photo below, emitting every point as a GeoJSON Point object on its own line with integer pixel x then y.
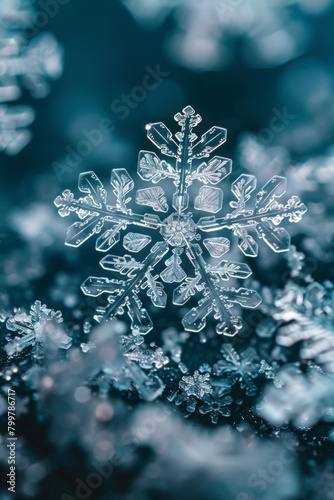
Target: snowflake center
{"type": "Point", "coordinates": [178, 229]}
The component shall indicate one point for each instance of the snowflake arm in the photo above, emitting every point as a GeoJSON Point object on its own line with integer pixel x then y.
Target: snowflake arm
{"type": "Point", "coordinates": [150, 167]}
{"type": "Point", "coordinates": [124, 293]}
{"type": "Point", "coordinates": [94, 211]}
{"type": "Point", "coordinates": [216, 298]}
{"type": "Point", "coordinates": [266, 214]}
{"type": "Point", "coordinates": [147, 359]}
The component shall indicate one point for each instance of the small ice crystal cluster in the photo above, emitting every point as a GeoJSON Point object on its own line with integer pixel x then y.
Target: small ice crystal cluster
{"type": "Point", "coordinates": [29, 330]}
{"type": "Point", "coordinates": [198, 182]}
{"type": "Point", "coordinates": [213, 385]}
{"type": "Point", "coordinates": [25, 63]}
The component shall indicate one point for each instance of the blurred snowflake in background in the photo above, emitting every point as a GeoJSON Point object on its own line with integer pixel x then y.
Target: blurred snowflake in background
{"type": "Point", "coordinates": [25, 63]}
{"type": "Point", "coordinates": [271, 32]}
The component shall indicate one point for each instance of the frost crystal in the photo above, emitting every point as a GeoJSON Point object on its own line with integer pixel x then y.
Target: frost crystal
{"type": "Point", "coordinates": [188, 164]}
{"type": "Point", "coordinates": [31, 332]}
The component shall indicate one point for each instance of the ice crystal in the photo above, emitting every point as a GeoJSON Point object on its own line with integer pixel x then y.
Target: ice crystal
{"type": "Point", "coordinates": [146, 358]}
{"type": "Point", "coordinates": [187, 165]}
{"type": "Point", "coordinates": [205, 368]}
{"type": "Point", "coordinates": [119, 360]}
{"type": "Point", "coordinates": [132, 366]}
{"type": "Point", "coordinates": [193, 388]}
{"type": "Point", "coordinates": [307, 315]}
{"type": "Point", "coordinates": [37, 61]}
{"type": "Point", "coordinates": [243, 367]}
{"type": "Point", "coordinates": [30, 330]}
{"type": "Point", "coordinates": [215, 404]}
{"type": "Point", "coordinates": [27, 63]}
{"type": "Point", "coordinates": [197, 385]}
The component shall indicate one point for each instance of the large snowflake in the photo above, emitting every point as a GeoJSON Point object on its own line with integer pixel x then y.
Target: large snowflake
{"type": "Point", "coordinates": [179, 232]}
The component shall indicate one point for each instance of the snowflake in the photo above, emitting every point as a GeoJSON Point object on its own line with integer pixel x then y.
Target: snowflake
{"type": "Point", "coordinates": [193, 388]}
{"type": "Point", "coordinates": [25, 62]}
{"type": "Point", "coordinates": [198, 385]}
{"type": "Point", "coordinates": [30, 330]}
{"type": "Point", "coordinates": [178, 229]}
{"type": "Point", "coordinates": [270, 371]}
{"type": "Point", "coordinates": [241, 368]}
{"type": "Point", "coordinates": [215, 403]}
